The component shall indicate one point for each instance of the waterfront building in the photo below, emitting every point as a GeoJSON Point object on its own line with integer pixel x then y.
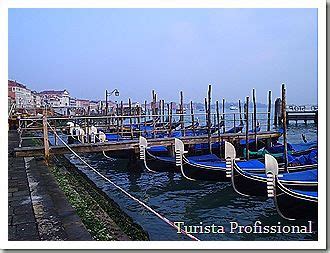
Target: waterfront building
{"type": "Point", "coordinates": [55, 98]}
{"type": "Point", "coordinates": [19, 94]}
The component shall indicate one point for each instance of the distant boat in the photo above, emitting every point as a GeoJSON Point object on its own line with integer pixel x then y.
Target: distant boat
{"type": "Point", "coordinates": [233, 107]}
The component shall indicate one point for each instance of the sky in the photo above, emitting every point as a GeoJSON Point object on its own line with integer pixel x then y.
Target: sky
{"type": "Point", "coordinates": [136, 50]}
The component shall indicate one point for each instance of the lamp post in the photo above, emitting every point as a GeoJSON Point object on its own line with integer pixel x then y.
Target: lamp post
{"type": "Point", "coordinates": [107, 93]}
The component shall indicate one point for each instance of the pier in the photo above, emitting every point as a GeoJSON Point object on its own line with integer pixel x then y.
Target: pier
{"type": "Point", "coordinates": [295, 113]}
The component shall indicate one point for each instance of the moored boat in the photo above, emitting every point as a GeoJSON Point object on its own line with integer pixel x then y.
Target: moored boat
{"type": "Point", "coordinates": [290, 203]}
{"type": "Point", "coordinates": [154, 162]}
{"type": "Point", "coordinates": [209, 167]}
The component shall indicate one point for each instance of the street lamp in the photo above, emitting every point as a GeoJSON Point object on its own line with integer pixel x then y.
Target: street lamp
{"type": "Point", "coordinates": [107, 93]}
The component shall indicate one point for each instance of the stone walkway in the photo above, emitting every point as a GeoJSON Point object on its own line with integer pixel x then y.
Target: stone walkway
{"type": "Point", "coordinates": [38, 209]}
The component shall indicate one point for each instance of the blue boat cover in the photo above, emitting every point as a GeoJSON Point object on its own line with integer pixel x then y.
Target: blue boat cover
{"type": "Point", "coordinates": [306, 175]}
{"type": "Point", "coordinates": [113, 137]}
{"type": "Point", "coordinates": [304, 146]}
{"type": "Point", "coordinates": [306, 193]}
{"type": "Point", "coordinates": [251, 165]}
{"type": "Point", "coordinates": [166, 158]}
{"type": "Point", "coordinates": [158, 149]}
{"type": "Point", "coordinates": [204, 158]}
{"type": "Point", "coordinates": [243, 142]}
{"type": "Point", "coordinates": [214, 161]}
{"type": "Point", "coordinates": [307, 159]}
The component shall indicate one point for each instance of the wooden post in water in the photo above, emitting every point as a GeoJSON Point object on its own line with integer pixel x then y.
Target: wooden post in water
{"type": "Point", "coordinates": [209, 116]}
{"type": "Point", "coordinates": [170, 118]}
{"type": "Point", "coordinates": [88, 131]}
{"type": "Point", "coordinates": [223, 115]}
{"type": "Point", "coordinates": [269, 109]}
{"type": "Point", "coordinates": [181, 113]}
{"type": "Point", "coordinates": [145, 118]}
{"type": "Point", "coordinates": [130, 117]}
{"type": "Point", "coordinates": [255, 118]}
{"type": "Point", "coordinates": [45, 134]}
{"type": "Point", "coordinates": [168, 112]}
{"type": "Point", "coordinates": [55, 136]}
{"type": "Point", "coordinates": [121, 118]}
{"type": "Point", "coordinates": [154, 106]}
{"type": "Point", "coordinates": [163, 110]}
{"type": "Point", "coordinates": [192, 117]}
{"type": "Point", "coordinates": [138, 110]}
{"type": "Point", "coordinates": [240, 112]}
{"type": "Point", "coordinates": [206, 114]}
{"type": "Point", "coordinates": [218, 125]}
{"type": "Point", "coordinates": [154, 118]}
{"type": "Point", "coordinates": [277, 111]}
{"type": "Point", "coordinates": [153, 103]}
{"type": "Point", "coordinates": [285, 141]}
{"type": "Point", "coordinates": [247, 128]}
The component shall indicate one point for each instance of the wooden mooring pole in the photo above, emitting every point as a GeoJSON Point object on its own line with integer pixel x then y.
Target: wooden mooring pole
{"type": "Point", "coordinates": [55, 135]}
{"type": "Point", "coordinates": [255, 118]}
{"type": "Point", "coordinates": [130, 118]}
{"type": "Point", "coordinates": [192, 117]}
{"type": "Point", "coordinates": [181, 113]}
{"type": "Point", "coordinates": [240, 112]}
{"type": "Point", "coordinates": [285, 141]}
{"type": "Point", "coordinates": [247, 128]}
{"type": "Point", "coordinates": [209, 116]}
{"type": "Point", "coordinates": [45, 135]}
{"type": "Point", "coordinates": [223, 115]}
{"type": "Point", "coordinates": [269, 109]}
{"type": "Point", "coordinates": [170, 118]}
{"type": "Point", "coordinates": [218, 125]}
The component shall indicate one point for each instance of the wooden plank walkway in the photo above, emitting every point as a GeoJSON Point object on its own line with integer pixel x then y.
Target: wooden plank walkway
{"type": "Point", "coordinates": [134, 144]}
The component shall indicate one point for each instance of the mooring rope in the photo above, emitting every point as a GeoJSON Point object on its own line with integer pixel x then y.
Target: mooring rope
{"type": "Point", "coordinates": [125, 192]}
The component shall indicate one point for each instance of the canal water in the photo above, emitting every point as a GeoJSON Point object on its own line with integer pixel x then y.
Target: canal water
{"type": "Point", "coordinates": [191, 202]}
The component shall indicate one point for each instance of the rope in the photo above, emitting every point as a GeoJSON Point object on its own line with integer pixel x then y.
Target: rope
{"type": "Point", "coordinates": [125, 192]}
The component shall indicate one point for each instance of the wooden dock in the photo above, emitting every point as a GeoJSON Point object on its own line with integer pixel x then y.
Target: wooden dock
{"type": "Point", "coordinates": [134, 144]}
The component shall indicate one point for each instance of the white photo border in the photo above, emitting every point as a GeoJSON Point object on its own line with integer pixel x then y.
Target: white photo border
{"type": "Point", "coordinates": [319, 4]}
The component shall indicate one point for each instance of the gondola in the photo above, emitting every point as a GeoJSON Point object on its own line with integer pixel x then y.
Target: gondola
{"type": "Point", "coordinates": [253, 183]}
{"type": "Point", "coordinates": [153, 162]}
{"type": "Point", "coordinates": [158, 158]}
{"type": "Point", "coordinates": [290, 203]}
{"type": "Point", "coordinates": [209, 167]}
{"type": "Point", "coordinates": [235, 129]}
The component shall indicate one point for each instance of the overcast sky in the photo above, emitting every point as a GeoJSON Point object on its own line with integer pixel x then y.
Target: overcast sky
{"type": "Point", "coordinates": [136, 50]}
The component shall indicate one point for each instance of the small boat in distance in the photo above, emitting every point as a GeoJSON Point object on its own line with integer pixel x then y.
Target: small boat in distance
{"type": "Point", "coordinates": [233, 107]}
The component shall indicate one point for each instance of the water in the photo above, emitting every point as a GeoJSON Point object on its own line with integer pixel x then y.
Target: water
{"type": "Point", "coordinates": [191, 202]}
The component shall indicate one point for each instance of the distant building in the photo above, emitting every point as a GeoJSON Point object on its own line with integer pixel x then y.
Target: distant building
{"type": "Point", "coordinates": [55, 98]}
{"type": "Point", "coordinates": [72, 102]}
{"type": "Point", "coordinates": [36, 98]}
{"type": "Point", "coordinates": [82, 103]}
{"type": "Point", "coordinates": [94, 107]}
{"type": "Point", "coordinates": [19, 94]}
